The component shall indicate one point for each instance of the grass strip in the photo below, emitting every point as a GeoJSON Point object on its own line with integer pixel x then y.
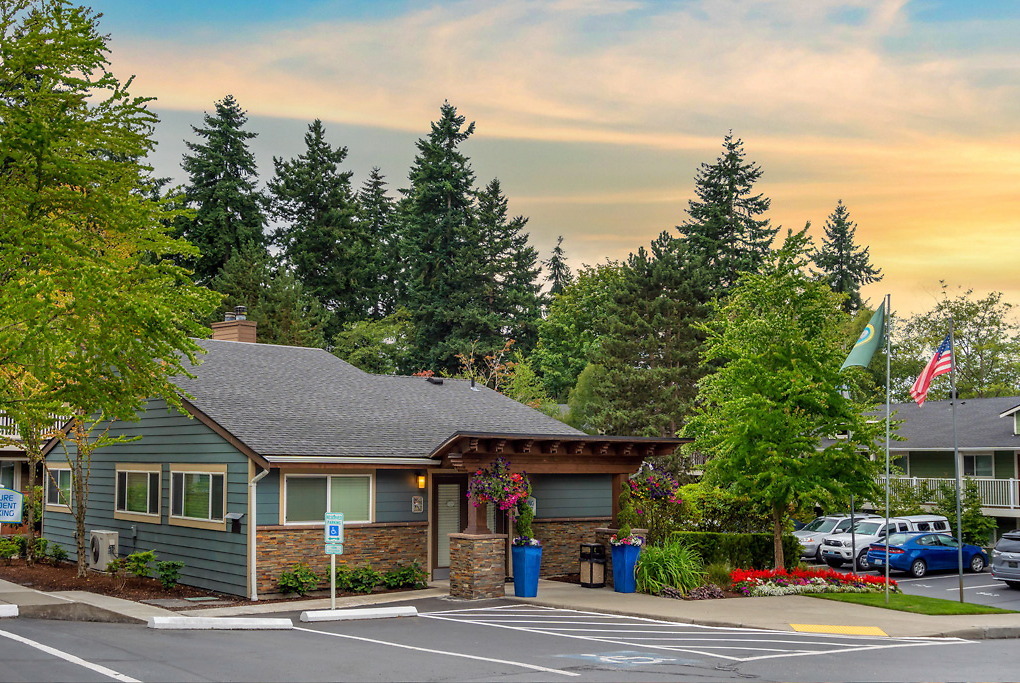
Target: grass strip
{"type": "Point", "coordinates": [917, 604]}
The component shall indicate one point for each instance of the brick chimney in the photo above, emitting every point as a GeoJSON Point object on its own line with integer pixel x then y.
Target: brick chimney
{"type": "Point", "coordinates": [235, 326]}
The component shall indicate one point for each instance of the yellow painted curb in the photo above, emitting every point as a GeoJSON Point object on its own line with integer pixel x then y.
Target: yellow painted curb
{"type": "Point", "coordinates": [844, 630]}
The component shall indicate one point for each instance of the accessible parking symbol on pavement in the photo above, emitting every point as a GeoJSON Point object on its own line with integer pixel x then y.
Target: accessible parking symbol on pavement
{"type": "Point", "coordinates": [631, 658]}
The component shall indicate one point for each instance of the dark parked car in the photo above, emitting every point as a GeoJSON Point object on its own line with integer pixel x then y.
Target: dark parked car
{"type": "Point", "coordinates": [918, 553]}
{"type": "Point", "coordinates": [1006, 559]}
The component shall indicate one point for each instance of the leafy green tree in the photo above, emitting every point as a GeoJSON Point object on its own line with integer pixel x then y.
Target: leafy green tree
{"type": "Point", "coordinates": [724, 228]}
{"type": "Point", "coordinates": [763, 414]}
{"type": "Point", "coordinates": [559, 272]}
{"type": "Point", "coordinates": [574, 325]}
{"type": "Point", "coordinates": [582, 402]}
{"type": "Point", "coordinates": [437, 217]}
{"type": "Point", "coordinates": [322, 242]}
{"type": "Point", "coordinates": [987, 351]}
{"type": "Point", "coordinates": [379, 346]}
{"type": "Point", "coordinates": [524, 386]}
{"type": "Point", "coordinates": [229, 211]}
{"type": "Point", "coordinates": [976, 528]}
{"type": "Point", "coordinates": [378, 219]}
{"type": "Point", "coordinates": [284, 310]}
{"type": "Point", "coordinates": [507, 271]}
{"type": "Point", "coordinates": [845, 266]}
{"type": "Point", "coordinates": [649, 352]}
{"type": "Point", "coordinates": [93, 311]}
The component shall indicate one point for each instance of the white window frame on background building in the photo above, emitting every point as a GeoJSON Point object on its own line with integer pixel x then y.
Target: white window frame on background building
{"type": "Point", "coordinates": [330, 504]}
{"type": "Point", "coordinates": [62, 502]}
{"type": "Point", "coordinates": [972, 457]}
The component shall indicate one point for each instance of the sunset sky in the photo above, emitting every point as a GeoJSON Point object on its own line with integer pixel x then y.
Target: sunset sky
{"type": "Point", "coordinates": [595, 115]}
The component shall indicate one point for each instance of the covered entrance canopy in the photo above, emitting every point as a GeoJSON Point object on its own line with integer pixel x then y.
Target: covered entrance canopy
{"type": "Point", "coordinates": [619, 456]}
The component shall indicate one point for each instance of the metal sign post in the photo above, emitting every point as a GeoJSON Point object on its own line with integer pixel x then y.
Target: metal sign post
{"type": "Point", "coordinates": [334, 528]}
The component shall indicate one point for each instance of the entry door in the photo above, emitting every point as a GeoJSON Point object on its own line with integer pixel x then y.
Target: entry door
{"type": "Point", "coordinates": [449, 499]}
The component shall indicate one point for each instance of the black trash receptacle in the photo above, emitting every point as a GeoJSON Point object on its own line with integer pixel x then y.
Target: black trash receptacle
{"type": "Point", "coordinates": [593, 565]}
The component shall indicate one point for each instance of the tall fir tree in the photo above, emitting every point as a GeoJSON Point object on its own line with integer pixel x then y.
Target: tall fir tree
{"type": "Point", "coordinates": [559, 272]}
{"type": "Point", "coordinates": [649, 354]}
{"type": "Point", "coordinates": [222, 189]}
{"type": "Point", "coordinates": [437, 219]}
{"type": "Point", "coordinates": [377, 217]}
{"type": "Point", "coordinates": [507, 274]}
{"type": "Point", "coordinates": [322, 241]}
{"type": "Point", "coordinates": [845, 266]}
{"type": "Point", "coordinates": [725, 229]}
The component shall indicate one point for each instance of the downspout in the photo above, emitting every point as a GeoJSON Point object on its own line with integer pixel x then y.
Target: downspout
{"type": "Point", "coordinates": [252, 524]}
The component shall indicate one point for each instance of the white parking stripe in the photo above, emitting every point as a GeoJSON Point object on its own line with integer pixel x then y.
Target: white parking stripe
{"type": "Point", "coordinates": [67, 657]}
{"type": "Point", "coordinates": [534, 667]}
{"type": "Point", "coordinates": [967, 588]}
{"type": "Point", "coordinates": [677, 637]}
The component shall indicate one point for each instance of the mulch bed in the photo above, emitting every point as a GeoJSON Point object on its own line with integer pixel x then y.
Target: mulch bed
{"type": "Point", "coordinates": [64, 577]}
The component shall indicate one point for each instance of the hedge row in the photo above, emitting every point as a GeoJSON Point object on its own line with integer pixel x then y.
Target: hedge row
{"type": "Point", "coordinates": [747, 551]}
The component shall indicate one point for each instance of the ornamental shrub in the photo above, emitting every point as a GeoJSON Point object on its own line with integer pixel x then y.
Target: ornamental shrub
{"type": "Point", "coordinates": [301, 580]}
{"type": "Point", "coordinates": [169, 573]}
{"type": "Point", "coordinates": [406, 576]}
{"type": "Point", "coordinates": [57, 554]}
{"type": "Point", "coordinates": [357, 579]}
{"type": "Point", "coordinates": [8, 549]}
{"type": "Point", "coordinates": [138, 563]}
{"type": "Point", "coordinates": [739, 550]}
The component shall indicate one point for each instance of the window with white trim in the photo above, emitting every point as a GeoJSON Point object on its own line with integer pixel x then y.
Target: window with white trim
{"type": "Point", "coordinates": [197, 495]}
{"type": "Point", "coordinates": [978, 465]}
{"type": "Point", "coordinates": [309, 497]}
{"type": "Point", "coordinates": [58, 487]}
{"type": "Point", "coordinates": [138, 492]}
{"type": "Point", "coordinates": [7, 470]}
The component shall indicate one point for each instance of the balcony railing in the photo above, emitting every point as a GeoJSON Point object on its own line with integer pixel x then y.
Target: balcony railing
{"type": "Point", "coordinates": [9, 428]}
{"type": "Point", "coordinates": [995, 493]}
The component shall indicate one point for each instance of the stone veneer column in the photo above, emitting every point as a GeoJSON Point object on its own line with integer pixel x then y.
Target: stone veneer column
{"type": "Point", "coordinates": [477, 565]}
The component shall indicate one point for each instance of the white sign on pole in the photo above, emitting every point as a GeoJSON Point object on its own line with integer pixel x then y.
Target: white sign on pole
{"type": "Point", "coordinates": [11, 503]}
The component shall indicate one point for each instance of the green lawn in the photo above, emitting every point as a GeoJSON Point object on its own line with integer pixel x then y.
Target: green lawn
{"type": "Point", "coordinates": [918, 604]}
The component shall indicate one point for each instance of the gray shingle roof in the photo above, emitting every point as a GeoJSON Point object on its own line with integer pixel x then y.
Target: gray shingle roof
{"type": "Point", "coordinates": [978, 425]}
{"type": "Point", "coordinates": [285, 400]}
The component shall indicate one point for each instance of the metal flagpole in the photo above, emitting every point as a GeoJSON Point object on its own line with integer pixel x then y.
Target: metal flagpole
{"type": "Point", "coordinates": [888, 355]}
{"type": "Point", "coordinates": [956, 458]}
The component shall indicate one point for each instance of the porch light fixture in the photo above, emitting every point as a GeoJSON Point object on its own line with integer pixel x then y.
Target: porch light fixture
{"type": "Point", "coordinates": [421, 481]}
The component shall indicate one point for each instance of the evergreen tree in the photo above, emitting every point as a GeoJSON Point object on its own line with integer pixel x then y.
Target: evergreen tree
{"type": "Point", "coordinates": [724, 229]}
{"type": "Point", "coordinates": [221, 188]}
{"type": "Point", "coordinates": [322, 242]}
{"type": "Point", "coordinates": [649, 353]}
{"type": "Point", "coordinates": [437, 228]}
{"type": "Point", "coordinates": [507, 273]}
{"type": "Point", "coordinates": [559, 272]}
{"type": "Point", "coordinates": [286, 314]}
{"type": "Point", "coordinates": [378, 220]}
{"type": "Point", "coordinates": [845, 266]}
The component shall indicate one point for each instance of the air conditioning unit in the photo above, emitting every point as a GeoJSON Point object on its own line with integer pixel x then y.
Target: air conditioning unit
{"type": "Point", "coordinates": [102, 549]}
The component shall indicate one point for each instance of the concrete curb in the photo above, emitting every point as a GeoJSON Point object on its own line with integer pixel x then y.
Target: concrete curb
{"type": "Point", "coordinates": [8, 611]}
{"type": "Point", "coordinates": [219, 624]}
{"type": "Point", "coordinates": [369, 613]}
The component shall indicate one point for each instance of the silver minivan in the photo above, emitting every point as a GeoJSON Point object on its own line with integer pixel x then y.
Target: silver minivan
{"type": "Point", "coordinates": [1006, 559]}
{"type": "Point", "coordinates": [811, 535]}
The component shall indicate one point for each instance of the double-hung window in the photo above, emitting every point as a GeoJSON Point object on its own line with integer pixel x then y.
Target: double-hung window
{"type": "Point", "coordinates": [309, 497]}
{"type": "Point", "coordinates": [58, 487]}
{"type": "Point", "coordinates": [138, 490]}
{"type": "Point", "coordinates": [197, 495]}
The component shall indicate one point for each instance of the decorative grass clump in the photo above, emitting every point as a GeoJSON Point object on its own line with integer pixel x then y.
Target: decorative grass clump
{"type": "Point", "coordinates": [668, 565]}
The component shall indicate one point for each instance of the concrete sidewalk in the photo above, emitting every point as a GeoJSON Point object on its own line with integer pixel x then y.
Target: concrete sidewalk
{"type": "Point", "coordinates": [780, 613]}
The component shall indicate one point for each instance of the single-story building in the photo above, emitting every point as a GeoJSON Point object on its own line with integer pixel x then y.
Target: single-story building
{"type": "Point", "coordinates": [280, 435]}
{"type": "Point", "coordinates": [988, 435]}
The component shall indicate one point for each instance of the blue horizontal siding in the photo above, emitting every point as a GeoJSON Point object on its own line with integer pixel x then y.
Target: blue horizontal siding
{"type": "Point", "coordinates": [572, 495]}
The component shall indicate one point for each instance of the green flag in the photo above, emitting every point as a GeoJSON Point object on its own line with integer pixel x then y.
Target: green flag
{"type": "Point", "coordinates": [869, 340]}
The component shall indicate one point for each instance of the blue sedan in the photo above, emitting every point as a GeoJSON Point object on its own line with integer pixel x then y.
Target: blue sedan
{"type": "Point", "coordinates": [917, 553]}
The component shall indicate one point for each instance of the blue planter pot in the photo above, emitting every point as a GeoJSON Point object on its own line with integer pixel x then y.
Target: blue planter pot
{"type": "Point", "coordinates": [527, 560]}
{"type": "Point", "coordinates": [624, 560]}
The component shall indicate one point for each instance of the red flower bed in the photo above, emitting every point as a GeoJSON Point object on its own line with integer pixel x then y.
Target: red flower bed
{"type": "Point", "coordinates": [757, 575]}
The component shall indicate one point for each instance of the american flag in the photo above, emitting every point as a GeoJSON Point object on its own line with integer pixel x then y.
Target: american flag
{"type": "Point", "coordinates": [940, 364]}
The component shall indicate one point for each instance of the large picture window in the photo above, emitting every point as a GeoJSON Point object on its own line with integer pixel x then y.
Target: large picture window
{"type": "Point", "coordinates": [197, 495]}
{"type": "Point", "coordinates": [308, 498]}
{"type": "Point", "coordinates": [58, 487]}
{"type": "Point", "coordinates": [138, 492]}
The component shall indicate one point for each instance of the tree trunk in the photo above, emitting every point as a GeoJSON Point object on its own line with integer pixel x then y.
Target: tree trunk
{"type": "Point", "coordinates": [777, 537]}
{"type": "Point", "coordinates": [30, 494]}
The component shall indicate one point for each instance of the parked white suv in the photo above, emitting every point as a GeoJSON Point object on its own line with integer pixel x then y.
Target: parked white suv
{"type": "Point", "coordinates": [838, 550]}
{"type": "Point", "coordinates": [812, 534]}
